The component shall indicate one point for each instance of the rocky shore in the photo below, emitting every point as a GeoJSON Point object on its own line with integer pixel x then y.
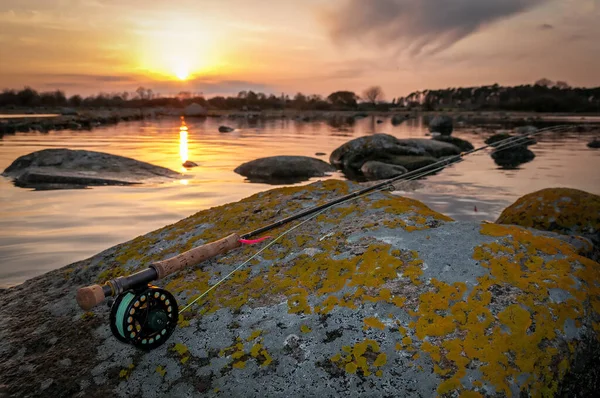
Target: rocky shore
{"type": "Point", "coordinates": [382, 297]}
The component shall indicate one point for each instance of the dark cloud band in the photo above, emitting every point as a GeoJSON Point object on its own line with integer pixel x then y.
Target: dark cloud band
{"type": "Point", "coordinates": [423, 26]}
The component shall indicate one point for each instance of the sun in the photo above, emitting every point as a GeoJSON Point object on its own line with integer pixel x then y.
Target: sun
{"type": "Point", "coordinates": [182, 72]}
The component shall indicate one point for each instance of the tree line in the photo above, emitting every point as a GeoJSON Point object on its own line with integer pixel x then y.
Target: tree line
{"type": "Point", "coordinates": [543, 96]}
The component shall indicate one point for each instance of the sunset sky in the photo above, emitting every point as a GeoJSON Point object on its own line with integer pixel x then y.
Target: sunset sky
{"type": "Point", "coordinates": [312, 46]}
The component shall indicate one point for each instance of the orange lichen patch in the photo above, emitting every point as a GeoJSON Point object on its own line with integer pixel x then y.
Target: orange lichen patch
{"type": "Point", "coordinates": [305, 329]}
{"type": "Point", "coordinates": [516, 338]}
{"type": "Point", "coordinates": [182, 352]}
{"type": "Point", "coordinates": [241, 353]}
{"type": "Point", "coordinates": [373, 322]}
{"type": "Point", "coordinates": [401, 205]}
{"type": "Point", "coordinates": [360, 358]}
{"type": "Point", "coordinates": [562, 210]}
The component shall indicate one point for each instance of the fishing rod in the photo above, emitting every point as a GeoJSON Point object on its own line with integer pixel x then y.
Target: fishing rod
{"type": "Point", "coordinates": [145, 316]}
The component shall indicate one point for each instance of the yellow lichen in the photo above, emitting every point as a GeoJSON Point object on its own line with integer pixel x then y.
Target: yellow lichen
{"type": "Point", "coordinates": [373, 322]}
{"type": "Point", "coordinates": [161, 371]}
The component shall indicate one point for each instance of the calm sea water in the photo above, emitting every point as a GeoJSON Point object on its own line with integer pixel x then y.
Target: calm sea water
{"type": "Point", "coordinates": [44, 230]}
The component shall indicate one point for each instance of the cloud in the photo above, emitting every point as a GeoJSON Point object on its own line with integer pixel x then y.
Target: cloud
{"type": "Point", "coordinates": [546, 26]}
{"type": "Point", "coordinates": [419, 27]}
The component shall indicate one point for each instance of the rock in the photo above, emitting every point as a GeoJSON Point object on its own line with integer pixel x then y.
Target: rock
{"type": "Point", "coordinates": [411, 163]}
{"type": "Point", "coordinates": [188, 164]}
{"type": "Point", "coordinates": [441, 124]}
{"type": "Point", "coordinates": [7, 128]}
{"type": "Point", "coordinates": [225, 129]}
{"type": "Point", "coordinates": [73, 125]}
{"type": "Point", "coordinates": [68, 112]}
{"type": "Point", "coordinates": [379, 121]}
{"type": "Point", "coordinates": [594, 144]}
{"type": "Point", "coordinates": [65, 168]}
{"type": "Point", "coordinates": [194, 110]}
{"type": "Point", "coordinates": [384, 297]}
{"type": "Point", "coordinates": [398, 119]}
{"type": "Point", "coordinates": [320, 154]}
{"type": "Point", "coordinates": [562, 210]}
{"type": "Point", "coordinates": [526, 130]}
{"type": "Point", "coordinates": [282, 169]}
{"type": "Point", "coordinates": [512, 158]}
{"type": "Point", "coordinates": [516, 142]}
{"type": "Point", "coordinates": [461, 144]}
{"type": "Point", "coordinates": [353, 154]}
{"type": "Point", "coordinates": [374, 170]}
{"type": "Point", "coordinates": [432, 148]}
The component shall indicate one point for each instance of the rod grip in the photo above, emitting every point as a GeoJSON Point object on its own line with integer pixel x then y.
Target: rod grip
{"type": "Point", "coordinates": [89, 296]}
{"type": "Point", "coordinates": [196, 255]}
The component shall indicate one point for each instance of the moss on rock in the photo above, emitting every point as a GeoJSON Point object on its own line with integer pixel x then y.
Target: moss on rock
{"type": "Point", "coordinates": [562, 210]}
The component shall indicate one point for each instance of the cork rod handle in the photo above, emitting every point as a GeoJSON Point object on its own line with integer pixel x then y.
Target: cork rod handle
{"type": "Point", "coordinates": [195, 256]}
{"type": "Point", "coordinates": [90, 296]}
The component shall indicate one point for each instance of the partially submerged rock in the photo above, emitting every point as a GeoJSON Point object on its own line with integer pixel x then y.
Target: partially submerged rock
{"type": "Point", "coordinates": [399, 119]}
{"type": "Point", "coordinates": [433, 148]}
{"type": "Point", "coordinates": [505, 139]}
{"type": "Point", "coordinates": [188, 164]}
{"type": "Point", "coordinates": [374, 170]}
{"type": "Point", "coordinates": [382, 297]}
{"type": "Point", "coordinates": [463, 145]}
{"type": "Point", "coordinates": [353, 154]}
{"type": "Point", "coordinates": [384, 148]}
{"type": "Point", "coordinates": [225, 129]}
{"type": "Point", "coordinates": [512, 158]}
{"type": "Point", "coordinates": [563, 210]}
{"type": "Point", "coordinates": [594, 143]}
{"type": "Point", "coordinates": [283, 169]}
{"type": "Point", "coordinates": [66, 168]}
{"type": "Point", "coordinates": [441, 124]}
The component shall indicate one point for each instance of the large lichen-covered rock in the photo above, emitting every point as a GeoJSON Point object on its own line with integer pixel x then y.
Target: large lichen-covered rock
{"type": "Point", "coordinates": [562, 210]}
{"type": "Point", "coordinates": [64, 168]}
{"type": "Point", "coordinates": [379, 297]}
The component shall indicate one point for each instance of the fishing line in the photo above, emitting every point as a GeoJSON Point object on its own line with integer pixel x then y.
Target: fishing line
{"type": "Point", "coordinates": [442, 164]}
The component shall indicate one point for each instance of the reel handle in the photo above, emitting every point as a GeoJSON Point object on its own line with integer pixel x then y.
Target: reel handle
{"type": "Point", "coordinates": [90, 296]}
{"type": "Point", "coordinates": [196, 255]}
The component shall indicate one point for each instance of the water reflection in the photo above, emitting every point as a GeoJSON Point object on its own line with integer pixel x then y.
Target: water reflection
{"type": "Point", "coordinates": [183, 141]}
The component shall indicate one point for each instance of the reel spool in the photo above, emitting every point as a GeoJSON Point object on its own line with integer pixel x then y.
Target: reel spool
{"type": "Point", "coordinates": [144, 318]}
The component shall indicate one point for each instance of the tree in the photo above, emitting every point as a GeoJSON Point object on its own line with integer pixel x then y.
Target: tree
{"type": "Point", "coordinates": [141, 92]}
{"type": "Point", "coordinates": [373, 94]}
{"type": "Point", "coordinates": [345, 99]}
{"type": "Point", "coordinates": [544, 82]}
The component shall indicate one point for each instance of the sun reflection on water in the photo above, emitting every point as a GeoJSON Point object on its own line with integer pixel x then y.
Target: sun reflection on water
{"type": "Point", "coordinates": [183, 141]}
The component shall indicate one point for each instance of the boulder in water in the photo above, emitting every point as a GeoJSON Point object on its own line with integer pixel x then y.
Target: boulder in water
{"type": "Point", "coordinates": [512, 158]}
{"type": "Point", "coordinates": [374, 170]}
{"type": "Point", "coordinates": [526, 130]}
{"type": "Point", "coordinates": [188, 164]}
{"type": "Point", "coordinates": [283, 169]}
{"type": "Point", "coordinates": [441, 124]}
{"type": "Point", "coordinates": [66, 168]}
{"type": "Point", "coordinates": [463, 145]}
{"type": "Point", "coordinates": [225, 129]}
{"type": "Point", "coordinates": [594, 144]}
{"type": "Point", "coordinates": [398, 119]}
{"type": "Point", "coordinates": [353, 154]}
{"type": "Point", "coordinates": [432, 148]}
{"type": "Point", "coordinates": [497, 139]}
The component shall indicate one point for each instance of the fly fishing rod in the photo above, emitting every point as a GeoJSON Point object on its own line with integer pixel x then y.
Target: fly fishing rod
{"type": "Point", "coordinates": [145, 316]}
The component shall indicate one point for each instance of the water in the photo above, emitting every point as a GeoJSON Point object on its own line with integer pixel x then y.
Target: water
{"type": "Point", "coordinates": [44, 230]}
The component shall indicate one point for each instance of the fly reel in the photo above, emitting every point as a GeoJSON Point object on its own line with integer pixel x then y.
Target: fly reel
{"type": "Point", "coordinates": [145, 317]}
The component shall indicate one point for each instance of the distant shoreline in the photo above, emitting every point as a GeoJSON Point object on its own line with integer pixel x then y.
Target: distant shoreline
{"type": "Point", "coordinates": [87, 119]}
